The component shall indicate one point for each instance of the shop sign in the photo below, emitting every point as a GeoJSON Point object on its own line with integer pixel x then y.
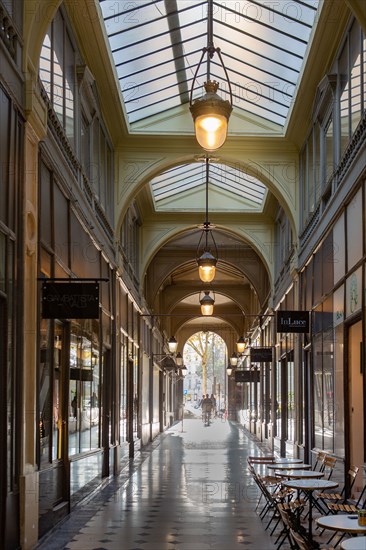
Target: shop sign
{"type": "Point", "coordinates": [293, 321]}
{"type": "Point", "coordinates": [260, 355]}
{"type": "Point", "coordinates": [70, 300]}
{"type": "Point", "coordinates": [83, 375]}
{"type": "Point", "coordinates": [242, 376]}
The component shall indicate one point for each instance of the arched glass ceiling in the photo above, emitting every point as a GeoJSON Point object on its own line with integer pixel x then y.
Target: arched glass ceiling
{"type": "Point", "coordinates": [242, 191]}
{"type": "Point", "coordinates": [157, 44]}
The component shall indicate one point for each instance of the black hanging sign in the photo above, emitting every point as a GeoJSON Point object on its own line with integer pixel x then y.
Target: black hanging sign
{"type": "Point", "coordinates": [293, 321]}
{"type": "Point", "coordinates": [246, 376]}
{"type": "Point", "coordinates": [70, 300]}
{"type": "Point", "coordinates": [260, 355]}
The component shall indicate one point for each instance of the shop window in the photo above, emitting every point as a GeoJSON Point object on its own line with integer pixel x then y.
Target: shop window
{"type": "Point", "coordinates": [309, 286]}
{"type": "Point", "coordinates": [339, 249]}
{"type": "Point", "coordinates": [123, 394]}
{"type": "Point", "coordinates": [354, 292]}
{"type": "Point", "coordinates": [354, 230]}
{"type": "Point", "coordinates": [318, 392]}
{"type": "Point", "coordinates": [328, 263]}
{"type": "Point", "coordinates": [278, 405]}
{"type": "Point", "coordinates": [338, 347]}
{"type": "Point", "coordinates": [2, 262]}
{"type": "Point", "coordinates": [318, 270]}
{"type": "Point", "coordinates": [84, 389]}
{"type": "Point", "coordinates": [290, 395]}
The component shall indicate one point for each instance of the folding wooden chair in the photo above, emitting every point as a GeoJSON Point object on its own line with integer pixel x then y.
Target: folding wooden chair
{"type": "Point", "coordinates": [336, 497]}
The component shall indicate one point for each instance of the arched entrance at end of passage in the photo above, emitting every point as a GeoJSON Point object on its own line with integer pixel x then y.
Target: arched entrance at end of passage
{"type": "Point", "coordinates": [205, 357]}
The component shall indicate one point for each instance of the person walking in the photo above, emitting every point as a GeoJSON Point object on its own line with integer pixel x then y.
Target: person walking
{"type": "Point", "coordinates": [206, 410]}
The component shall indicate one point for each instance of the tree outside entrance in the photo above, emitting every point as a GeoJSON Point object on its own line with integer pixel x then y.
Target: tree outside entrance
{"type": "Point", "coordinates": [205, 357]}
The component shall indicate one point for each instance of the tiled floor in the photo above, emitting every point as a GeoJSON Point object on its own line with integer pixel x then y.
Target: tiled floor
{"type": "Point", "coordinates": [189, 491]}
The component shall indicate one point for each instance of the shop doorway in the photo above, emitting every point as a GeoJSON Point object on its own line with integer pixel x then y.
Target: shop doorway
{"type": "Point", "coordinates": [356, 398]}
{"type": "Point", "coordinates": [9, 496]}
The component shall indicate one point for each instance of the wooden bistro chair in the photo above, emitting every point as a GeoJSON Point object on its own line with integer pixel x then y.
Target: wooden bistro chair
{"type": "Point", "coordinates": [336, 497]}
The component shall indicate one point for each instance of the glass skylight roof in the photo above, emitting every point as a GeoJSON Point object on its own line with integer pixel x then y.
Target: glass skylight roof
{"type": "Point", "coordinates": [157, 45]}
{"type": "Point", "coordinates": [188, 177]}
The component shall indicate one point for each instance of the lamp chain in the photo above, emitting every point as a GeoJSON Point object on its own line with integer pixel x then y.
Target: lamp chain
{"type": "Point", "coordinates": [207, 176]}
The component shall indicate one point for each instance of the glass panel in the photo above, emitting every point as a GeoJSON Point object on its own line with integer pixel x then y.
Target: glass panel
{"type": "Point", "coordinates": [364, 70]}
{"type": "Point", "coordinates": [355, 75]}
{"type": "Point", "coordinates": [309, 286]}
{"type": "Point", "coordinates": [278, 399]}
{"type": "Point", "coordinates": [266, 43]}
{"type": "Point", "coordinates": [338, 298]}
{"type": "Point", "coordinates": [328, 374]}
{"type": "Point", "coordinates": [84, 391]}
{"type": "Point", "coordinates": [318, 270]}
{"type": "Point", "coordinates": [328, 263]}
{"type": "Point", "coordinates": [102, 169]}
{"type": "Point", "coordinates": [57, 372]}
{"type": "Point", "coordinates": [317, 166]}
{"type": "Point", "coordinates": [246, 191]}
{"type": "Point", "coordinates": [5, 109]}
{"type": "Point", "coordinates": [61, 221]}
{"type": "Point", "coordinates": [339, 439]}
{"type": "Point", "coordinates": [57, 67]}
{"type": "Point", "coordinates": [85, 146]}
{"type": "Point", "coordinates": [354, 292]}
{"type": "Point", "coordinates": [290, 398]}
{"type": "Point", "coordinates": [304, 207]}
{"type": "Point", "coordinates": [45, 64]}
{"type": "Point", "coordinates": [11, 373]}
{"type": "Point", "coordinates": [329, 152]}
{"type": "Point", "coordinates": [311, 184]}
{"type": "Point", "coordinates": [2, 262]}
{"type": "Point", "coordinates": [354, 230]}
{"type": "Point", "coordinates": [318, 391]}
{"type": "Point", "coordinates": [45, 391]}
{"type": "Point", "coordinates": [344, 98]}
{"type": "Point", "coordinates": [69, 90]}
{"type": "Point", "coordinates": [45, 206]}
{"type": "Point", "coordinates": [339, 255]}
{"type": "Point", "coordinates": [123, 404]}
{"type": "Point", "coordinates": [95, 160]}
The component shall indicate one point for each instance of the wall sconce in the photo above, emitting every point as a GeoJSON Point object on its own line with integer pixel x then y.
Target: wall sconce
{"type": "Point", "coordinates": [240, 345]}
{"type": "Point", "coordinates": [234, 360]}
{"type": "Point", "coordinates": [172, 344]}
{"type": "Point", "coordinates": [229, 370]}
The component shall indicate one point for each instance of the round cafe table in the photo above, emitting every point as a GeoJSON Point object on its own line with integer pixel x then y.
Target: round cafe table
{"type": "Point", "coordinates": [355, 543]}
{"type": "Point", "coordinates": [347, 523]}
{"type": "Point", "coordinates": [284, 460]}
{"type": "Point", "coordinates": [310, 485]}
{"type": "Point", "coordinates": [299, 474]}
{"type": "Point", "coordinates": [287, 466]}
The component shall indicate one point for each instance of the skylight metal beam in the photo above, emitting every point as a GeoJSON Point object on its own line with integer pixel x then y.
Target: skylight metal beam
{"type": "Point", "coordinates": [271, 44]}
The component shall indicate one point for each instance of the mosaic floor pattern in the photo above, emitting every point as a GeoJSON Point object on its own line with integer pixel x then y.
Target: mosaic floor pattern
{"type": "Point", "coordinates": [190, 490]}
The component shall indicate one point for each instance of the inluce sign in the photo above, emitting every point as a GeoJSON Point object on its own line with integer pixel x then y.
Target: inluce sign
{"type": "Point", "coordinates": [293, 321]}
{"type": "Point", "coordinates": [70, 300]}
{"type": "Point", "coordinates": [259, 355]}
